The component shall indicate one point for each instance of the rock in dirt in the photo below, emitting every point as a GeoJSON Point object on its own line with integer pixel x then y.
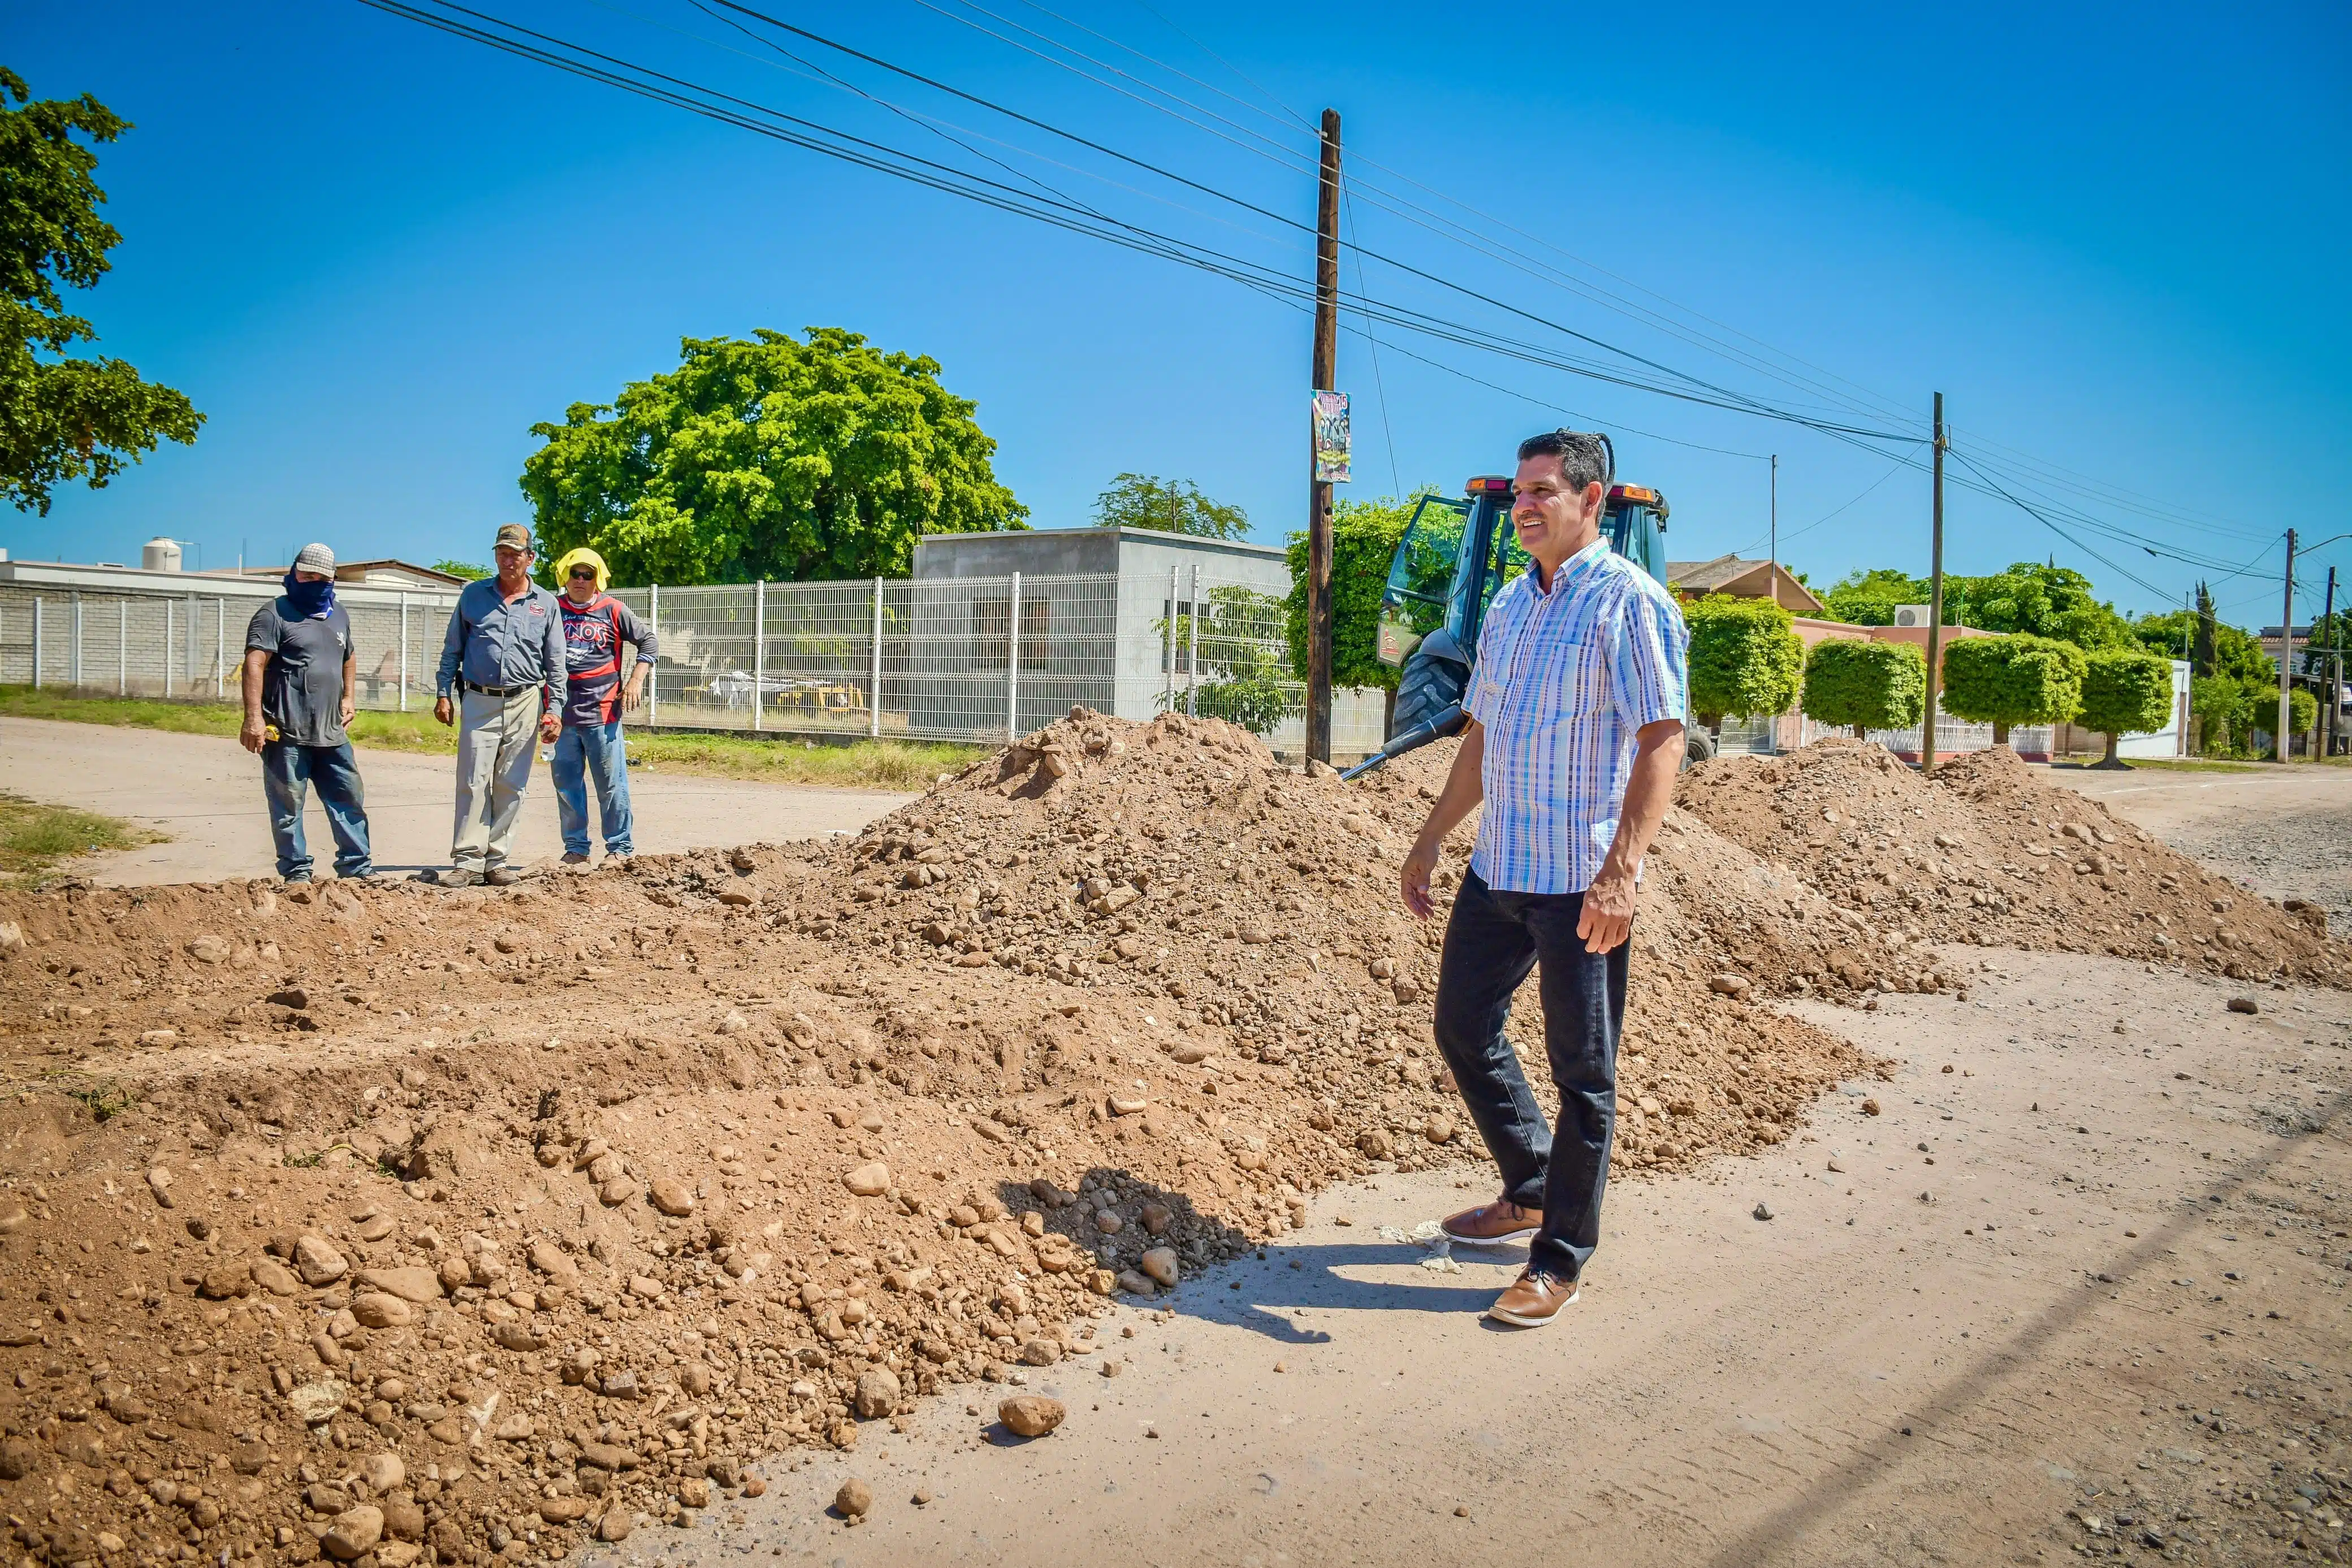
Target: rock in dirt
{"type": "Point", "coordinates": [1763, 1211]}
{"type": "Point", "coordinates": [855, 1499]}
{"type": "Point", "coordinates": [1160, 1264]}
{"type": "Point", "coordinates": [868, 1181]}
{"type": "Point", "coordinates": [1031, 1414]}
{"type": "Point", "coordinates": [354, 1533]}
{"type": "Point", "coordinates": [410, 1284]}
{"type": "Point", "coordinates": [674, 1198]}
{"type": "Point", "coordinates": [878, 1393]}
{"type": "Point", "coordinates": [2245, 1004]}
{"type": "Point", "coordinates": [319, 1261]}
{"type": "Point", "coordinates": [614, 1526]}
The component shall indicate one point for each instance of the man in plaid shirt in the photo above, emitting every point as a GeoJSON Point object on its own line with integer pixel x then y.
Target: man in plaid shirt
{"type": "Point", "coordinates": [1576, 732]}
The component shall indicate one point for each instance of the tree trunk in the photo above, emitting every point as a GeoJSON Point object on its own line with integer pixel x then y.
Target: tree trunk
{"type": "Point", "coordinates": [2001, 732]}
{"type": "Point", "coordinates": [1860, 733]}
{"type": "Point", "coordinates": [2109, 760]}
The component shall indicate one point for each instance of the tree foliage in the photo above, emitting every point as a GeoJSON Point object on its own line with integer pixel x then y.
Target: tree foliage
{"type": "Point", "coordinates": [63, 418]}
{"type": "Point", "coordinates": [2038, 600]}
{"type": "Point", "coordinates": [2222, 711]}
{"type": "Point", "coordinates": [1866, 685]}
{"type": "Point", "coordinates": [2302, 711]}
{"type": "Point", "coordinates": [1364, 536]}
{"type": "Point", "coordinates": [2013, 680]}
{"type": "Point", "coordinates": [1172, 506]}
{"type": "Point", "coordinates": [2126, 692]}
{"type": "Point", "coordinates": [1745, 657]}
{"type": "Point", "coordinates": [1245, 682]}
{"type": "Point", "coordinates": [464, 568]}
{"type": "Point", "coordinates": [770, 459]}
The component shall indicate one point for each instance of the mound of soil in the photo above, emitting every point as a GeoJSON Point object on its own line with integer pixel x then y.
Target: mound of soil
{"type": "Point", "coordinates": [386, 1223]}
{"type": "Point", "coordinates": [1989, 851]}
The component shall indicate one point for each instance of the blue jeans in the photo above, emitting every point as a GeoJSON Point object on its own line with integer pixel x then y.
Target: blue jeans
{"type": "Point", "coordinates": [288, 771]}
{"type": "Point", "coordinates": [1492, 940]}
{"type": "Point", "coordinates": [592, 750]}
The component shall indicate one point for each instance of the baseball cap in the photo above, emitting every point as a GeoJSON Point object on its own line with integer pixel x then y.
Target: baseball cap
{"type": "Point", "coordinates": [514, 535]}
{"type": "Point", "coordinates": [315, 558]}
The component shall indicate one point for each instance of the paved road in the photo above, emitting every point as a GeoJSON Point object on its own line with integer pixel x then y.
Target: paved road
{"type": "Point", "coordinates": [205, 793]}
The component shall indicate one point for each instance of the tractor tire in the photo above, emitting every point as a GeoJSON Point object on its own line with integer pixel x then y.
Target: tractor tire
{"type": "Point", "coordinates": [1427, 687]}
{"type": "Point", "coordinates": [1697, 746]}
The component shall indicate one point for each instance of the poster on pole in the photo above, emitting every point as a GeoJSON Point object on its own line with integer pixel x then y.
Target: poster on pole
{"type": "Point", "coordinates": [1331, 438]}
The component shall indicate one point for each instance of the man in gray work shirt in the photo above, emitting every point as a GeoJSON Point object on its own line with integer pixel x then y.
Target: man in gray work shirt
{"type": "Point", "coordinates": [502, 665]}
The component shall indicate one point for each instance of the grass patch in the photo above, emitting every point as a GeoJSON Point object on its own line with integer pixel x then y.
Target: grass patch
{"type": "Point", "coordinates": [899, 765]}
{"type": "Point", "coordinates": [2190, 765]}
{"type": "Point", "coordinates": [34, 837]}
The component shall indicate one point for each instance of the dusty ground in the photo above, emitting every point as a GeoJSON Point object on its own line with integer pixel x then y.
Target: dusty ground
{"type": "Point", "coordinates": [2125, 1299]}
{"type": "Point", "coordinates": [1137, 978]}
{"type": "Point", "coordinates": [2282, 831]}
{"type": "Point", "coordinates": [206, 794]}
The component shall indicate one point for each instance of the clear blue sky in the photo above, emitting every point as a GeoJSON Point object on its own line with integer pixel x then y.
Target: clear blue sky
{"type": "Point", "coordinates": [374, 254]}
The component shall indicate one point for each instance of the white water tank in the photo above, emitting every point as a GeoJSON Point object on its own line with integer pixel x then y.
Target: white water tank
{"type": "Point", "coordinates": [160, 555]}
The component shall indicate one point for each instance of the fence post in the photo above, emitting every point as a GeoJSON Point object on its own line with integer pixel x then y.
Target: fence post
{"type": "Point", "coordinates": [1168, 697]}
{"type": "Point", "coordinates": [220, 648]}
{"type": "Point", "coordinates": [1012, 663]}
{"type": "Point", "coordinates": [403, 653]}
{"type": "Point", "coordinates": [77, 639]}
{"type": "Point", "coordinates": [1192, 656]}
{"type": "Point", "coordinates": [758, 647]}
{"type": "Point", "coordinates": [873, 690]}
{"type": "Point", "coordinates": [171, 610]}
{"type": "Point", "coordinates": [37, 642]}
{"type": "Point", "coordinates": [123, 647]}
{"type": "Point", "coordinates": [653, 681]}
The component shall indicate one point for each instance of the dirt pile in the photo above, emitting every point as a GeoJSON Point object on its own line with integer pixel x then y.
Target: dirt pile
{"type": "Point", "coordinates": [384, 1223]}
{"type": "Point", "coordinates": [1990, 852]}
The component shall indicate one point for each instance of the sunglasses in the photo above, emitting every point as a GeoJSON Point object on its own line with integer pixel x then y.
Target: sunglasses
{"type": "Point", "coordinates": [580, 571]}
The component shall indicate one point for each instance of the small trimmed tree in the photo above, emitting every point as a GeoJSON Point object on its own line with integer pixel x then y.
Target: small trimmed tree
{"type": "Point", "coordinates": [2006, 681]}
{"type": "Point", "coordinates": [1745, 658]}
{"type": "Point", "coordinates": [2219, 704]}
{"type": "Point", "coordinates": [1364, 536]}
{"type": "Point", "coordinates": [2124, 692]}
{"type": "Point", "coordinates": [2302, 711]}
{"type": "Point", "coordinates": [1866, 685]}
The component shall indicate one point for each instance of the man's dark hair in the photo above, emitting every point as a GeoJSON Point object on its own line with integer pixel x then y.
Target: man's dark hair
{"type": "Point", "coordinates": [1585, 457]}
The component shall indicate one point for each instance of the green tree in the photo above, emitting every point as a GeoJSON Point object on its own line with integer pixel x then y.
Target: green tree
{"type": "Point", "coordinates": [1364, 536]}
{"type": "Point", "coordinates": [464, 568]}
{"type": "Point", "coordinates": [1173, 506]}
{"type": "Point", "coordinates": [1745, 657]}
{"type": "Point", "coordinates": [2013, 680]}
{"type": "Point", "coordinates": [62, 418]}
{"type": "Point", "coordinates": [2205, 647]}
{"type": "Point", "coordinates": [1240, 638]}
{"type": "Point", "coordinates": [2042, 601]}
{"type": "Point", "coordinates": [1866, 685]}
{"type": "Point", "coordinates": [2302, 712]}
{"type": "Point", "coordinates": [2223, 712]}
{"type": "Point", "coordinates": [1869, 598]}
{"type": "Point", "coordinates": [2124, 692]}
{"type": "Point", "coordinates": [769, 459]}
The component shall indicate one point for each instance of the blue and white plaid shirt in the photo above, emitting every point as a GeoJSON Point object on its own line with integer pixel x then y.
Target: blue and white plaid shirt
{"type": "Point", "coordinates": [1564, 679]}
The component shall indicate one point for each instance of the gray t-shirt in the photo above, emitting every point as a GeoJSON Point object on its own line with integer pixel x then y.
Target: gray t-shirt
{"type": "Point", "coordinates": [302, 684]}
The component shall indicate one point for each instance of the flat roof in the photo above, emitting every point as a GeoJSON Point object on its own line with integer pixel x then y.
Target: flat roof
{"type": "Point", "coordinates": [1141, 536]}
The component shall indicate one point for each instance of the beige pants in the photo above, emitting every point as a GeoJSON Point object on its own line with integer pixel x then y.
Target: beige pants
{"type": "Point", "coordinates": [495, 736]}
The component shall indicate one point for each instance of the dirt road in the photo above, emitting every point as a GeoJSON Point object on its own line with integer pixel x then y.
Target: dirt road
{"type": "Point", "coordinates": [2084, 1274]}
{"type": "Point", "coordinates": [206, 794]}
{"type": "Point", "coordinates": [2280, 831]}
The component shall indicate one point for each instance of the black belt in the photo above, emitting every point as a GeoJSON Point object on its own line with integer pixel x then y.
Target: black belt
{"type": "Point", "coordinates": [497, 691]}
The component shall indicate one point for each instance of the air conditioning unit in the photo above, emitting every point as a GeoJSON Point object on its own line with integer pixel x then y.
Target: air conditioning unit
{"type": "Point", "coordinates": [1911, 615]}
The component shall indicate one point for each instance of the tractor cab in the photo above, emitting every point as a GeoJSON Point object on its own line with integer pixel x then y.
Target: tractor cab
{"type": "Point", "coordinates": [1455, 555]}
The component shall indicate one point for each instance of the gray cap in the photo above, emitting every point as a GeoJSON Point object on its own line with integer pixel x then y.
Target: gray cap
{"type": "Point", "coordinates": [315, 558]}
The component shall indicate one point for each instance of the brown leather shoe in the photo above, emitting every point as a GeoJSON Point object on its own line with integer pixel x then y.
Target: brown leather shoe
{"type": "Point", "coordinates": [503, 876]}
{"type": "Point", "coordinates": [1533, 1299]}
{"type": "Point", "coordinates": [1492, 1224]}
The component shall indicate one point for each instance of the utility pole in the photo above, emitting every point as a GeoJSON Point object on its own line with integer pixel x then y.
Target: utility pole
{"type": "Point", "coordinates": [1934, 606]}
{"type": "Point", "coordinates": [1772, 569]}
{"type": "Point", "coordinates": [1319, 501]}
{"type": "Point", "coordinates": [2286, 649]}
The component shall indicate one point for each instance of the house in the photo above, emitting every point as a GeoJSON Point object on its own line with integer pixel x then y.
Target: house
{"type": "Point", "coordinates": [385, 573]}
{"type": "Point", "coordinates": [1743, 578]}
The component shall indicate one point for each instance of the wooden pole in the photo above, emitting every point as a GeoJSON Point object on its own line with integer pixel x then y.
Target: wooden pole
{"type": "Point", "coordinates": [2286, 649]}
{"type": "Point", "coordinates": [1934, 606]}
{"type": "Point", "coordinates": [1318, 503]}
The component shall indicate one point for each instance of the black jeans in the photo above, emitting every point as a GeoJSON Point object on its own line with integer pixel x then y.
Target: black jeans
{"type": "Point", "coordinates": [1492, 940]}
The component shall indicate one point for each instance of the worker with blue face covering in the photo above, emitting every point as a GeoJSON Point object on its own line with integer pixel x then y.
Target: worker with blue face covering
{"type": "Point", "coordinates": [298, 684]}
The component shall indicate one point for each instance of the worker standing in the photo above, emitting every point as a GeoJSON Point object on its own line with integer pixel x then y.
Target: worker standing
{"type": "Point", "coordinates": [595, 625]}
{"type": "Point", "coordinates": [502, 681]}
{"type": "Point", "coordinates": [1576, 732]}
{"type": "Point", "coordinates": [298, 685]}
